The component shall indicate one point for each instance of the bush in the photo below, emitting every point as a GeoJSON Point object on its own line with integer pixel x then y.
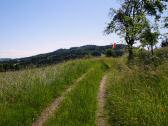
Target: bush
{"type": "Point", "coordinates": [108, 52]}
{"type": "Point", "coordinates": [114, 52]}
{"type": "Point", "coordinates": [117, 52]}
{"type": "Point", "coordinates": [162, 53]}
{"type": "Point", "coordinates": [96, 53]}
{"type": "Point", "coordinates": [1, 68]}
{"type": "Point", "coordinates": [143, 57]}
{"type": "Point", "coordinates": [165, 43]}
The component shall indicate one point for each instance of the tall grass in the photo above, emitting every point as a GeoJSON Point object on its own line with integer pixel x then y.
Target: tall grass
{"type": "Point", "coordinates": [79, 107]}
{"type": "Point", "coordinates": [136, 97]}
{"type": "Point", "coordinates": [24, 94]}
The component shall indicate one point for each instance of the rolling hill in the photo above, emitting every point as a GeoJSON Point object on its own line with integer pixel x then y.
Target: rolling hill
{"type": "Point", "coordinates": [55, 57]}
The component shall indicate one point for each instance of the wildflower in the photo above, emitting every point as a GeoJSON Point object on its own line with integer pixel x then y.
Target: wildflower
{"type": "Point", "coordinates": [162, 109]}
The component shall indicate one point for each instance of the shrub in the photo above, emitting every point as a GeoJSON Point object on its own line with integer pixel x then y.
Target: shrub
{"type": "Point", "coordinates": [108, 52]}
{"type": "Point", "coordinates": [143, 57]}
{"type": "Point", "coordinates": [114, 52]}
{"type": "Point", "coordinates": [165, 43]}
{"type": "Point", "coordinates": [96, 53]}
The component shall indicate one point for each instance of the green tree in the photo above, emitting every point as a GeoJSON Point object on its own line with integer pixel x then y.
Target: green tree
{"type": "Point", "coordinates": [165, 43]}
{"type": "Point", "coordinates": [166, 22]}
{"type": "Point", "coordinates": [1, 68]}
{"type": "Point", "coordinates": [108, 52]}
{"type": "Point", "coordinates": [149, 38]}
{"type": "Point", "coordinates": [166, 26]}
{"type": "Point", "coordinates": [131, 19]}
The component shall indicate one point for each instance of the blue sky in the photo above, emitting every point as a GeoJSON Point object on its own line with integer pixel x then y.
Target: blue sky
{"type": "Point", "coordinates": [29, 27]}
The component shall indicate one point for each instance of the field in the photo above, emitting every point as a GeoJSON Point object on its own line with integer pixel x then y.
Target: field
{"type": "Point", "coordinates": [134, 96]}
{"type": "Point", "coordinates": [24, 94]}
{"type": "Point", "coordinates": [79, 108]}
{"type": "Point", "coordinates": [137, 97]}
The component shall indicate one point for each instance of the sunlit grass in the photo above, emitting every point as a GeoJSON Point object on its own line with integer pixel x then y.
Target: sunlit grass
{"type": "Point", "coordinates": [79, 108]}
{"type": "Point", "coordinates": [24, 94]}
{"type": "Point", "coordinates": [137, 97]}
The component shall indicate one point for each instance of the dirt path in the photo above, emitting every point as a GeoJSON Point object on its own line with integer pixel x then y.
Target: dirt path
{"type": "Point", "coordinates": [49, 111]}
{"type": "Point", "coordinates": [101, 119]}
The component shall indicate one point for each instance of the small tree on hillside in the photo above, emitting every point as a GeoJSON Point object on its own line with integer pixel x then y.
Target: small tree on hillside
{"type": "Point", "coordinates": [149, 38]}
{"type": "Point", "coordinates": [165, 43]}
{"type": "Point", "coordinates": [108, 52]}
{"type": "Point", "coordinates": [131, 19]}
{"type": "Point", "coordinates": [166, 22]}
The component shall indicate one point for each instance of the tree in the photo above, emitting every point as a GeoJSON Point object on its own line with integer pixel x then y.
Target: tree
{"type": "Point", "coordinates": [131, 19]}
{"type": "Point", "coordinates": [166, 22]}
{"type": "Point", "coordinates": [149, 38]}
{"type": "Point", "coordinates": [165, 43]}
{"type": "Point", "coordinates": [96, 53]}
{"type": "Point", "coordinates": [108, 52]}
{"type": "Point", "coordinates": [1, 68]}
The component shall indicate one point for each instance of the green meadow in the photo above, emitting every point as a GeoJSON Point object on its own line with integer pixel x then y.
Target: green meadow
{"type": "Point", "coordinates": [135, 96]}
{"type": "Point", "coordinates": [80, 106]}
{"type": "Point", "coordinates": [24, 94]}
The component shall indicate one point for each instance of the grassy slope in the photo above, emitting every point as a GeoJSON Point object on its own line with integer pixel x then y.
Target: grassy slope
{"type": "Point", "coordinates": [24, 94]}
{"type": "Point", "coordinates": [136, 97]}
{"type": "Point", "coordinates": [79, 108]}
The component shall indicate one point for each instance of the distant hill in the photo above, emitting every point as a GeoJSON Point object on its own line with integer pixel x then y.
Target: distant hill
{"type": "Point", "coordinates": [4, 59]}
{"type": "Point", "coordinates": [53, 57]}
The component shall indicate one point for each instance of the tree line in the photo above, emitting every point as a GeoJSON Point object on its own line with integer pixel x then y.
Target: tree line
{"type": "Point", "coordinates": [55, 57]}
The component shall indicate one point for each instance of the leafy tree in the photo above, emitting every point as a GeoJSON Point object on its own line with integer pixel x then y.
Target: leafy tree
{"type": "Point", "coordinates": [149, 38]}
{"type": "Point", "coordinates": [166, 22]}
{"type": "Point", "coordinates": [131, 19]}
{"type": "Point", "coordinates": [1, 68]}
{"type": "Point", "coordinates": [108, 52]}
{"type": "Point", "coordinates": [95, 53]}
{"type": "Point", "coordinates": [165, 43]}
{"type": "Point", "coordinates": [116, 52]}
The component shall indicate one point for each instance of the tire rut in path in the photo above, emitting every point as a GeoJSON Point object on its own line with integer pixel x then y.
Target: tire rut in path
{"type": "Point", "coordinates": [101, 117]}
{"type": "Point", "coordinates": [49, 111]}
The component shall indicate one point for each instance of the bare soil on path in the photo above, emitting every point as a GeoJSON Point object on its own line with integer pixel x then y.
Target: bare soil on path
{"type": "Point", "coordinates": [50, 110]}
{"type": "Point", "coordinates": [101, 117]}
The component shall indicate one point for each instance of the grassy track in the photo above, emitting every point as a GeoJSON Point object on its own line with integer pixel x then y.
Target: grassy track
{"type": "Point", "coordinates": [79, 108]}
{"type": "Point", "coordinates": [24, 94]}
{"type": "Point", "coordinates": [136, 97]}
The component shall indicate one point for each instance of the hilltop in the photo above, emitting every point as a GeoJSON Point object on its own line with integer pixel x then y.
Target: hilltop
{"type": "Point", "coordinates": [5, 59]}
{"type": "Point", "coordinates": [55, 57]}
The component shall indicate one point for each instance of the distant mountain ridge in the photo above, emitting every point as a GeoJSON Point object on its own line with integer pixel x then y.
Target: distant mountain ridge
{"type": "Point", "coordinates": [57, 56]}
{"type": "Point", "coordinates": [4, 59]}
